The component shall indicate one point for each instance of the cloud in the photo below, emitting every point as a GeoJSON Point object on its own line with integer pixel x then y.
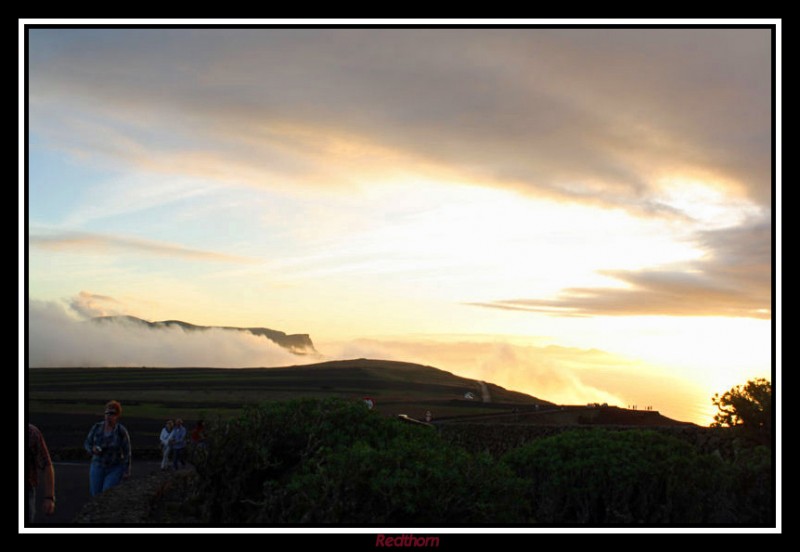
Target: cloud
{"type": "Point", "coordinates": [56, 339]}
{"type": "Point", "coordinates": [589, 115]}
{"type": "Point", "coordinates": [89, 305]}
{"type": "Point", "coordinates": [733, 279]}
{"type": "Point", "coordinates": [70, 241]}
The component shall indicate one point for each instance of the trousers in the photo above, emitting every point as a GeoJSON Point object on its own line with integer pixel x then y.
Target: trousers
{"type": "Point", "coordinates": [102, 478]}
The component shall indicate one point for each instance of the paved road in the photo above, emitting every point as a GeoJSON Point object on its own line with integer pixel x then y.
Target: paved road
{"type": "Point", "coordinates": [72, 489]}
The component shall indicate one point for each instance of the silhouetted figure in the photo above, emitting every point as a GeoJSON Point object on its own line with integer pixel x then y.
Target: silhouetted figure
{"type": "Point", "coordinates": [199, 433]}
{"type": "Point", "coordinates": [37, 460]}
{"type": "Point", "coordinates": [198, 438]}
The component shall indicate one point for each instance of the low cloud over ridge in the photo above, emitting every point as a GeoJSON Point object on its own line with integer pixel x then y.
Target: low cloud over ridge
{"type": "Point", "coordinates": [56, 339]}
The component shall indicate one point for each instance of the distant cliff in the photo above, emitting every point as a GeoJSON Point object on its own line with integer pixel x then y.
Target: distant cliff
{"type": "Point", "coordinates": [299, 344]}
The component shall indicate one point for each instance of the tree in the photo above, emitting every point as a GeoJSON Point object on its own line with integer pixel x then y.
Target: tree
{"type": "Point", "coordinates": [748, 405]}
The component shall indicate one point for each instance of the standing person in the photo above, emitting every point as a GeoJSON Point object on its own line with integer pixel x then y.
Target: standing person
{"type": "Point", "coordinates": [177, 441]}
{"type": "Point", "coordinates": [165, 448]}
{"type": "Point", "coordinates": [110, 446]}
{"type": "Point", "coordinates": [198, 437]}
{"type": "Point", "coordinates": [37, 459]}
{"type": "Point", "coordinates": [199, 434]}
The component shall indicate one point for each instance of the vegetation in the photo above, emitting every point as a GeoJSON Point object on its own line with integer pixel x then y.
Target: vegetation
{"type": "Point", "coordinates": [748, 405]}
{"type": "Point", "coordinates": [332, 461]}
{"type": "Point", "coordinates": [602, 477]}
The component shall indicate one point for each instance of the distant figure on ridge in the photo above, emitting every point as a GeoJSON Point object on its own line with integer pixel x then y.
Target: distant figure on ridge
{"type": "Point", "coordinates": [110, 446]}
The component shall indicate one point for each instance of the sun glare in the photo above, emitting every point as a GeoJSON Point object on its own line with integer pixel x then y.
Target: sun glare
{"type": "Point", "coordinates": [709, 202]}
{"type": "Point", "coordinates": [489, 242]}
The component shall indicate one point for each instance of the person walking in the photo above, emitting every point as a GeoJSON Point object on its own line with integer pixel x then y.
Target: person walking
{"type": "Point", "coordinates": [165, 447]}
{"type": "Point", "coordinates": [177, 441]}
{"type": "Point", "coordinates": [37, 460]}
{"type": "Point", "coordinates": [110, 446]}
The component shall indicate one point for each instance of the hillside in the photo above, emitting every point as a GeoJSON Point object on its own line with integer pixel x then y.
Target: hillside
{"type": "Point", "coordinates": [64, 402]}
{"type": "Point", "coordinates": [296, 343]}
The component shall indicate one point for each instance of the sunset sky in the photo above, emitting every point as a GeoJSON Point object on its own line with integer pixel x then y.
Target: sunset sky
{"type": "Point", "coordinates": [581, 214]}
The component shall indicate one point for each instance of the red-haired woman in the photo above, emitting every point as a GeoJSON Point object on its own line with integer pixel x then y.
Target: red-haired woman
{"type": "Point", "coordinates": [110, 446]}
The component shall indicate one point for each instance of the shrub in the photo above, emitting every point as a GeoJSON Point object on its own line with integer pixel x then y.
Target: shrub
{"type": "Point", "coordinates": [620, 477]}
{"type": "Point", "coordinates": [335, 462]}
{"type": "Point", "coordinates": [752, 486]}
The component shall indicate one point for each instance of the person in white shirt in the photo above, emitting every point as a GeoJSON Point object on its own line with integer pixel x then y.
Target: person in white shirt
{"type": "Point", "coordinates": [165, 448]}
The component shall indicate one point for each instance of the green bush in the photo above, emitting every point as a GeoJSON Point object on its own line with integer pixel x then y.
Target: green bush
{"type": "Point", "coordinates": [752, 486]}
{"type": "Point", "coordinates": [336, 462]}
{"type": "Point", "coordinates": [602, 477]}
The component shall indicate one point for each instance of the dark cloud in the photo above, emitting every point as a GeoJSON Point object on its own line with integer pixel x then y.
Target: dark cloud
{"type": "Point", "coordinates": [589, 115]}
{"type": "Point", "coordinates": [733, 279]}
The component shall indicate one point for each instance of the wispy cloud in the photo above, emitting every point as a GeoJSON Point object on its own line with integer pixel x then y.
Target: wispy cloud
{"type": "Point", "coordinates": [89, 305]}
{"type": "Point", "coordinates": [95, 243]}
{"type": "Point", "coordinates": [733, 279]}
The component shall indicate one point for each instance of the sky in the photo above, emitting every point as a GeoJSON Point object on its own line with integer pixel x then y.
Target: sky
{"type": "Point", "coordinates": [582, 214]}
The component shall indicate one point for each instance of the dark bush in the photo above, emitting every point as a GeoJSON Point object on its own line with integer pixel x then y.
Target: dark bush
{"type": "Point", "coordinates": [752, 486]}
{"type": "Point", "coordinates": [336, 462]}
{"type": "Point", "coordinates": [602, 477]}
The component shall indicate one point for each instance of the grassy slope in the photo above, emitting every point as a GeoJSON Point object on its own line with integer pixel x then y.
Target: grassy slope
{"type": "Point", "coordinates": [65, 401]}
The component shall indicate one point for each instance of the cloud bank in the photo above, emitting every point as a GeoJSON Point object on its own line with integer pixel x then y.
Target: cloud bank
{"type": "Point", "coordinates": [590, 115]}
{"type": "Point", "coordinates": [625, 118]}
{"type": "Point", "coordinates": [733, 279]}
{"type": "Point", "coordinates": [57, 339]}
